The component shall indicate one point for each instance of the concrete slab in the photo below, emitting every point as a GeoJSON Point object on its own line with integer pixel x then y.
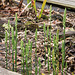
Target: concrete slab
{"type": "Point", "coordinates": [7, 72]}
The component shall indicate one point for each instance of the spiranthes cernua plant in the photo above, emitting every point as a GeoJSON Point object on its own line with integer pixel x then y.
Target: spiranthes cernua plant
{"type": "Point", "coordinates": [47, 32]}
{"type": "Point", "coordinates": [39, 66]}
{"type": "Point", "coordinates": [6, 38]}
{"type": "Point", "coordinates": [23, 58]}
{"type": "Point", "coordinates": [15, 56]}
{"type": "Point", "coordinates": [9, 34]}
{"type": "Point", "coordinates": [22, 64]}
{"type": "Point", "coordinates": [65, 68]}
{"type": "Point", "coordinates": [48, 59]}
{"type": "Point", "coordinates": [29, 43]}
{"type": "Point", "coordinates": [44, 29]}
{"type": "Point", "coordinates": [35, 45]}
{"type": "Point", "coordinates": [64, 21]}
{"type": "Point", "coordinates": [54, 42]}
{"type": "Point", "coordinates": [25, 35]}
{"type": "Point", "coordinates": [26, 59]}
{"type": "Point", "coordinates": [57, 51]}
{"type": "Point", "coordinates": [35, 52]}
{"type": "Point", "coordinates": [63, 56]}
{"type": "Point", "coordinates": [35, 70]}
{"type": "Point", "coordinates": [12, 30]}
{"type": "Point", "coordinates": [50, 47]}
{"type": "Point", "coordinates": [16, 43]}
{"type": "Point", "coordinates": [57, 67]}
{"type": "Point", "coordinates": [31, 58]}
{"type": "Point", "coordinates": [53, 62]}
{"type": "Point", "coordinates": [57, 40]}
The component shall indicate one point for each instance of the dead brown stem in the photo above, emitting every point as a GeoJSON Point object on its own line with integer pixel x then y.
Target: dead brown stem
{"type": "Point", "coordinates": [20, 4]}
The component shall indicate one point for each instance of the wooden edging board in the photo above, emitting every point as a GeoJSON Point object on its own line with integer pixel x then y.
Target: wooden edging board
{"type": "Point", "coordinates": [65, 3]}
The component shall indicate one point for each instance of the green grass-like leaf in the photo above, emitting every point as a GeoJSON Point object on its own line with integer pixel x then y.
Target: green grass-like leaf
{"type": "Point", "coordinates": [48, 59]}
{"type": "Point", "coordinates": [42, 8]}
{"type": "Point", "coordinates": [63, 56]}
{"type": "Point", "coordinates": [9, 34]}
{"type": "Point", "coordinates": [12, 30]}
{"type": "Point", "coordinates": [64, 21]}
{"type": "Point", "coordinates": [44, 29]}
{"type": "Point", "coordinates": [22, 56]}
{"type": "Point", "coordinates": [35, 52]}
{"type": "Point", "coordinates": [6, 38]}
{"type": "Point", "coordinates": [16, 43]}
{"type": "Point", "coordinates": [53, 61]}
{"type": "Point", "coordinates": [27, 52]}
{"type": "Point", "coordinates": [39, 66]}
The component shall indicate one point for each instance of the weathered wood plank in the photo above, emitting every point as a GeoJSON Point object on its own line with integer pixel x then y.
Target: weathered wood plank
{"type": "Point", "coordinates": [66, 3]}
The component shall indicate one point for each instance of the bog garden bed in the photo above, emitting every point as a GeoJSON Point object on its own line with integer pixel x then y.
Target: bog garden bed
{"type": "Point", "coordinates": [32, 45]}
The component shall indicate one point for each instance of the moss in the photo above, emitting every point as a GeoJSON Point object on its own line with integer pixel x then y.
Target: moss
{"type": "Point", "coordinates": [31, 25]}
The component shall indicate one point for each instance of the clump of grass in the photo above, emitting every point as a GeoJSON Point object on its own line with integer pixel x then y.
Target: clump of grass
{"type": "Point", "coordinates": [12, 30]}
{"type": "Point", "coordinates": [16, 43]}
{"type": "Point", "coordinates": [9, 34]}
{"type": "Point", "coordinates": [6, 38]}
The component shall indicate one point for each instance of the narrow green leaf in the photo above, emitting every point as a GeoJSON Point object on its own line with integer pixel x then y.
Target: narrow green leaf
{"type": "Point", "coordinates": [42, 8]}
